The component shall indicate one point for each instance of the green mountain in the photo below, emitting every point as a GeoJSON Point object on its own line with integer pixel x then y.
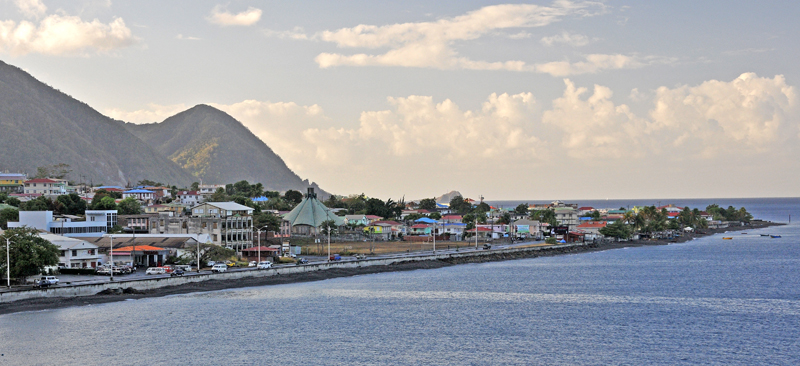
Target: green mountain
{"type": "Point", "coordinates": [41, 126]}
{"type": "Point", "coordinates": [218, 149]}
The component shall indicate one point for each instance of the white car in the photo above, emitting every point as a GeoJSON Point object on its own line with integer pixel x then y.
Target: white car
{"type": "Point", "coordinates": [218, 268]}
{"type": "Point", "coordinates": [155, 270]}
{"type": "Point", "coordinates": [252, 264]}
{"type": "Point", "coordinates": [265, 265]}
{"type": "Point", "coordinates": [52, 280]}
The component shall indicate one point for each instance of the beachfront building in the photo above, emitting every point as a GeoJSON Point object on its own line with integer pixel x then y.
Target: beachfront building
{"type": "Point", "coordinates": [591, 229]}
{"type": "Point", "coordinates": [73, 252]}
{"type": "Point", "coordinates": [528, 229]}
{"type": "Point", "coordinates": [567, 216]}
{"type": "Point", "coordinates": [95, 223]}
{"type": "Point", "coordinates": [235, 222]}
{"type": "Point", "coordinates": [12, 182]}
{"type": "Point", "coordinates": [307, 217]}
{"type": "Point", "coordinates": [45, 186]}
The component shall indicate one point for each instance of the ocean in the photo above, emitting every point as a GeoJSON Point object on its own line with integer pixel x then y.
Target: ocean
{"type": "Point", "coordinates": [707, 301]}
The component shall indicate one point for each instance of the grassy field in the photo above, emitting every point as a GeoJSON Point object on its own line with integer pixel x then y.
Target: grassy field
{"type": "Point", "coordinates": [361, 247]}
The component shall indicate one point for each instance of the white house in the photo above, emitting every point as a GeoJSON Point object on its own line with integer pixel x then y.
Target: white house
{"type": "Point", "coordinates": [74, 253]}
{"type": "Point", "coordinates": [45, 186]}
{"type": "Point", "coordinates": [139, 194]}
{"type": "Point", "coordinates": [189, 198]}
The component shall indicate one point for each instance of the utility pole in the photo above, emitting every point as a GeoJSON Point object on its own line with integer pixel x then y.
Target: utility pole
{"type": "Point", "coordinates": [8, 263]}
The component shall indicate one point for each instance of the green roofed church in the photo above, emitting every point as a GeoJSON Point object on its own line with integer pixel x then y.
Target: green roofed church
{"type": "Point", "coordinates": [309, 215]}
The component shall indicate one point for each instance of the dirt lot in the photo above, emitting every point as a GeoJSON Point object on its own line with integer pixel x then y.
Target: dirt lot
{"type": "Point", "coordinates": [379, 247]}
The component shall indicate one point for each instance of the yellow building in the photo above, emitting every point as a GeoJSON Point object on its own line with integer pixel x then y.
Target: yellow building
{"type": "Point", "coordinates": [12, 182]}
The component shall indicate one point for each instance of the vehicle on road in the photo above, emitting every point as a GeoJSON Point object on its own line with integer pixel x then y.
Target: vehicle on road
{"type": "Point", "coordinates": [211, 263]}
{"type": "Point", "coordinates": [487, 246]}
{"type": "Point", "coordinates": [155, 271]}
{"type": "Point", "coordinates": [335, 257]}
{"type": "Point", "coordinates": [102, 270]}
{"type": "Point", "coordinates": [177, 272]}
{"type": "Point", "coordinates": [264, 265]}
{"type": "Point", "coordinates": [219, 268]}
{"type": "Point", "coordinates": [252, 264]}
{"type": "Point", "coordinates": [232, 264]}
{"type": "Point", "coordinates": [360, 256]}
{"type": "Point", "coordinates": [46, 281]}
{"type": "Point", "coordinates": [302, 261]}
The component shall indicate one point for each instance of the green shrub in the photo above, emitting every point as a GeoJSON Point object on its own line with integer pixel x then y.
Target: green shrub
{"type": "Point", "coordinates": [551, 240]}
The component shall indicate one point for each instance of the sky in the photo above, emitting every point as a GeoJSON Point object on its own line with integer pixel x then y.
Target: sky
{"type": "Point", "coordinates": [505, 100]}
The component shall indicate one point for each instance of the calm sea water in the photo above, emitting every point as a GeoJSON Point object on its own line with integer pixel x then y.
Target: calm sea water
{"type": "Point", "coordinates": [709, 301]}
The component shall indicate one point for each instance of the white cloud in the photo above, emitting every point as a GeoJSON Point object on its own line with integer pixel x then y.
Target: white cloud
{"type": "Point", "coordinates": [63, 35]}
{"type": "Point", "coordinates": [430, 44]}
{"type": "Point", "coordinates": [418, 141]}
{"type": "Point", "coordinates": [748, 114]}
{"type": "Point", "coordinates": [187, 38]}
{"type": "Point", "coordinates": [575, 40]}
{"type": "Point", "coordinates": [153, 113]}
{"type": "Point", "coordinates": [224, 18]}
{"type": "Point", "coordinates": [31, 8]}
{"type": "Point", "coordinates": [296, 34]}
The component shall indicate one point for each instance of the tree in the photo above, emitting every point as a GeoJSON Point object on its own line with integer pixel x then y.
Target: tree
{"type": "Point", "coordinates": [219, 196]}
{"type": "Point", "coordinates": [41, 203]}
{"type": "Point", "coordinates": [208, 252]}
{"type": "Point", "coordinates": [435, 216]}
{"type": "Point", "coordinates": [70, 204]}
{"type": "Point", "coordinates": [460, 205]}
{"type": "Point", "coordinates": [129, 206]}
{"type": "Point", "coordinates": [268, 219]}
{"type": "Point", "coordinates": [13, 201]}
{"type": "Point", "coordinates": [504, 219]}
{"type": "Point", "coordinates": [547, 216]}
{"type": "Point", "coordinates": [195, 186]}
{"type": "Point", "coordinates": [293, 197]}
{"type": "Point", "coordinates": [241, 187]}
{"type": "Point", "coordinates": [427, 204]}
{"type": "Point", "coordinates": [3, 197]}
{"type": "Point", "coordinates": [106, 203]}
{"type": "Point", "coordinates": [327, 226]}
{"type": "Point", "coordinates": [596, 215]}
{"type": "Point", "coordinates": [29, 252]}
{"type": "Point", "coordinates": [149, 183]}
{"type": "Point", "coordinates": [6, 215]}
{"type": "Point", "coordinates": [616, 230]}
{"type": "Point", "coordinates": [521, 209]}
{"type": "Point", "coordinates": [57, 171]}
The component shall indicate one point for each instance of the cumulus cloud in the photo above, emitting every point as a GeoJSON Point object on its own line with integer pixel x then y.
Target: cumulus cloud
{"type": "Point", "coordinates": [295, 34]}
{"type": "Point", "coordinates": [63, 35]}
{"type": "Point", "coordinates": [31, 8]}
{"type": "Point", "coordinates": [187, 38]}
{"type": "Point", "coordinates": [153, 113]}
{"type": "Point", "coordinates": [419, 139]}
{"type": "Point", "coordinates": [224, 18]}
{"type": "Point", "coordinates": [750, 113]}
{"type": "Point", "coordinates": [430, 44]}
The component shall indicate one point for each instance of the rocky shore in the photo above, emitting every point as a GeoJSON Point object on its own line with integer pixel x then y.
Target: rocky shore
{"type": "Point", "coordinates": [112, 296]}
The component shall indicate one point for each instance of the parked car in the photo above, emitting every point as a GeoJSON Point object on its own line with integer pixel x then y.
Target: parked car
{"type": "Point", "coordinates": [177, 272]}
{"type": "Point", "coordinates": [302, 261]}
{"type": "Point", "coordinates": [264, 265]}
{"type": "Point", "coordinates": [232, 264]}
{"type": "Point", "coordinates": [211, 263]}
{"type": "Point", "coordinates": [102, 270]}
{"type": "Point", "coordinates": [218, 268]}
{"type": "Point", "coordinates": [335, 257]}
{"type": "Point", "coordinates": [184, 267]}
{"type": "Point", "coordinates": [48, 281]}
{"type": "Point", "coordinates": [252, 264]}
{"type": "Point", "coordinates": [155, 270]}
{"type": "Point", "coordinates": [361, 256]}
{"type": "Point", "coordinates": [487, 246]}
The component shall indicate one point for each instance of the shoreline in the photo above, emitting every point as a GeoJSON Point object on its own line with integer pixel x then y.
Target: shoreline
{"type": "Point", "coordinates": [46, 303]}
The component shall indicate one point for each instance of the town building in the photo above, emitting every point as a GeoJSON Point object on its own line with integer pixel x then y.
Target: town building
{"type": "Point", "coordinates": [45, 186]}
{"type": "Point", "coordinates": [12, 182]}
{"type": "Point", "coordinates": [307, 217]}
{"type": "Point", "coordinates": [567, 216]}
{"type": "Point", "coordinates": [141, 195]}
{"type": "Point", "coordinates": [73, 252]}
{"type": "Point", "coordinates": [95, 223]}
{"type": "Point", "coordinates": [189, 198]}
{"type": "Point", "coordinates": [235, 225]}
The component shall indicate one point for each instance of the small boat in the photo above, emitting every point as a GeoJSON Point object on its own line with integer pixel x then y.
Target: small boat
{"type": "Point", "coordinates": [727, 238]}
{"type": "Point", "coordinates": [764, 234]}
{"type": "Point", "coordinates": [744, 233]}
{"type": "Point", "coordinates": [775, 236]}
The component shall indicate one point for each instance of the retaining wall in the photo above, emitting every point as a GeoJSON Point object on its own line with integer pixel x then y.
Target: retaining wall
{"type": "Point", "coordinates": [154, 283]}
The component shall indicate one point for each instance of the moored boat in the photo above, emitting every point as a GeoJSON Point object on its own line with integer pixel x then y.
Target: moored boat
{"type": "Point", "coordinates": [775, 236]}
{"type": "Point", "coordinates": [727, 238]}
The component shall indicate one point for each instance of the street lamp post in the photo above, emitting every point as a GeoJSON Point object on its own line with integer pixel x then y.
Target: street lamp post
{"type": "Point", "coordinates": [259, 243]}
{"type": "Point", "coordinates": [329, 241]}
{"type": "Point", "coordinates": [8, 263]}
{"type": "Point", "coordinates": [111, 255]}
{"type": "Point", "coordinates": [434, 237]}
{"type": "Point", "coordinates": [476, 232]}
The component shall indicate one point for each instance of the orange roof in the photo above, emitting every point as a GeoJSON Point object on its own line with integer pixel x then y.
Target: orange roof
{"type": "Point", "coordinates": [139, 248]}
{"type": "Point", "coordinates": [593, 224]}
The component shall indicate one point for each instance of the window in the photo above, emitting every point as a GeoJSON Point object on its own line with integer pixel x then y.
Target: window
{"type": "Point", "coordinates": [90, 251]}
{"type": "Point", "coordinates": [74, 253]}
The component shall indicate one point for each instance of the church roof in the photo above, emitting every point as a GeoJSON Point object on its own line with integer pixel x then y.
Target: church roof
{"type": "Point", "coordinates": [312, 212]}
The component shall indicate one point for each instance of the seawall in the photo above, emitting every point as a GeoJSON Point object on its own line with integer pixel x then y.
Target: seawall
{"type": "Point", "coordinates": [149, 284]}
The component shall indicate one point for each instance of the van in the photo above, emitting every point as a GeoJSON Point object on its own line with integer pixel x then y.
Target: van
{"type": "Point", "coordinates": [155, 270]}
{"type": "Point", "coordinates": [218, 268]}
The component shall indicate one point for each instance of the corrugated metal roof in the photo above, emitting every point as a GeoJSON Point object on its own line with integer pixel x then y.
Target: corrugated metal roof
{"type": "Point", "coordinates": [312, 212]}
